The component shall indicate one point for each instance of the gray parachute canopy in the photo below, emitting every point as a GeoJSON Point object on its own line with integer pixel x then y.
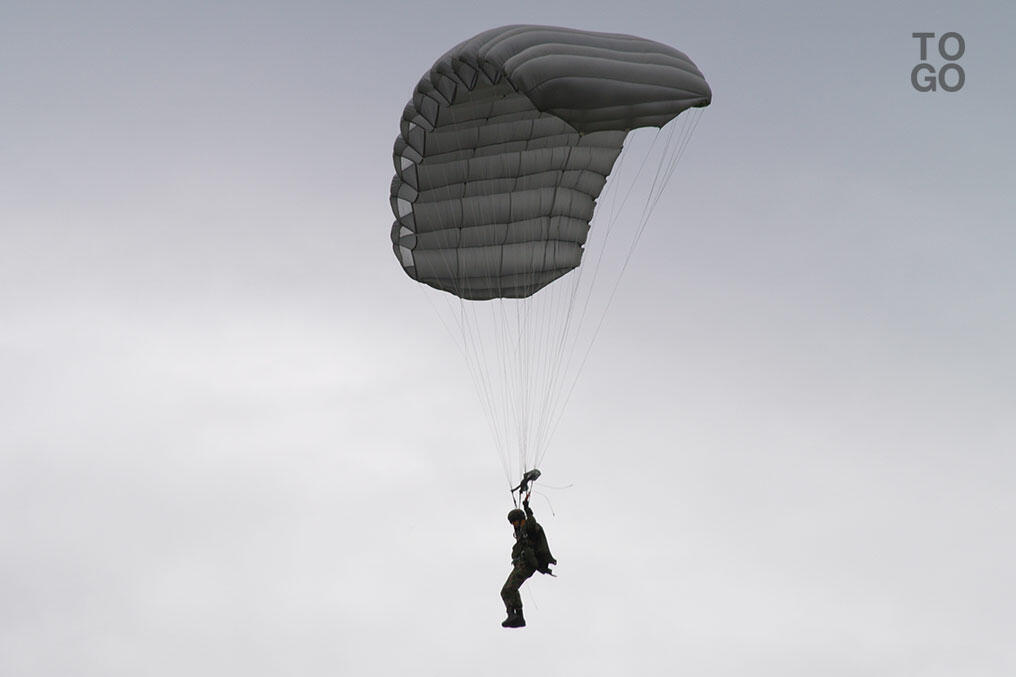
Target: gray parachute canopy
{"type": "Point", "coordinates": [507, 143]}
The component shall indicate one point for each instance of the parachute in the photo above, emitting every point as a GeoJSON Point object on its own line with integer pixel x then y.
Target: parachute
{"type": "Point", "coordinates": [504, 150]}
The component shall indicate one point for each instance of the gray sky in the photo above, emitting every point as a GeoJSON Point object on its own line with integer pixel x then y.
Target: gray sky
{"type": "Point", "coordinates": [234, 441]}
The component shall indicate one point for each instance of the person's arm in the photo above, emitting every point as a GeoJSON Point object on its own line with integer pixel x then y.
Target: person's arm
{"type": "Point", "coordinates": [529, 511]}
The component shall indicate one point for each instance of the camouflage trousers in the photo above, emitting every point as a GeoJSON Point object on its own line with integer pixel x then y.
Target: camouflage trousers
{"type": "Point", "coordinates": [510, 590]}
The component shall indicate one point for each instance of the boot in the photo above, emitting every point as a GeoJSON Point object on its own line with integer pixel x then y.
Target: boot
{"type": "Point", "coordinates": [507, 623]}
{"type": "Point", "coordinates": [515, 619]}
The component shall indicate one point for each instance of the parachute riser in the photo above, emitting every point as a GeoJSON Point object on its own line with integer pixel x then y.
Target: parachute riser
{"type": "Point", "coordinates": [528, 477]}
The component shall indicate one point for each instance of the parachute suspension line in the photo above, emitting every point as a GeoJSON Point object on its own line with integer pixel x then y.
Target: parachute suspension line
{"type": "Point", "coordinates": [475, 320]}
{"type": "Point", "coordinates": [612, 186]}
{"type": "Point", "coordinates": [480, 379]}
{"type": "Point", "coordinates": [501, 367]}
{"type": "Point", "coordinates": [563, 306]}
{"type": "Point", "coordinates": [655, 189]}
{"type": "Point", "coordinates": [574, 295]}
{"type": "Point", "coordinates": [606, 237]}
{"type": "Point", "coordinates": [660, 181]}
{"type": "Point", "coordinates": [684, 136]}
{"type": "Point", "coordinates": [469, 312]}
{"type": "Point", "coordinates": [482, 388]}
{"type": "Point", "coordinates": [520, 345]}
{"type": "Point", "coordinates": [455, 339]}
{"type": "Point", "coordinates": [550, 313]}
{"type": "Point", "coordinates": [654, 198]}
{"type": "Point", "coordinates": [498, 320]}
{"type": "Point", "coordinates": [537, 373]}
{"type": "Point", "coordinates": [467, 348]}
{"type": "Point", "coordinates": [533, 374]}
{"type": "Point", "coordinates": [476, 360]}
{"type": "Point", "coordinates": [549, 364]}
{"type": "Point", "coordinates": [508, 392]}
{"type": "Point", "coordinates": [497, 390]}
{"type": "Point", "coordinates": [514, 369]}
{"type": "Point", "coordinates": [522, 314]}
{"type": "Point", "coordinates": [627, 259]}
{"type": "Point", "coordinates": [472, 350]}
{"type": "Point", "coordinates": [688, 128]}
{"type": "Point", "coordinates": [524, 351]}
{"type": "Point", "coordinates": [521, 377]}
{"type": "Point", "coordinates": [539, 349]}
{"type": "Point", "coordinates": [477, 374]}
{"type": "Point", "coordinates": [535, 345]}
{"type": "Point", "coordinates": [492, 393]}
{"type": "Point", "coordinates": [555, 357]}
{"type": "Point", "coordinates": [569, 343]}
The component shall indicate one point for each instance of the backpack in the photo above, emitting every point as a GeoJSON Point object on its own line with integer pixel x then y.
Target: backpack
{"type": "Point", "coordinates": [542, 551]}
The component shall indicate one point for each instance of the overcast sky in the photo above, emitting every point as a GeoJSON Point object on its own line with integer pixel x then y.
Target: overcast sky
{"type": "Point", "coordinates": [234, 440]}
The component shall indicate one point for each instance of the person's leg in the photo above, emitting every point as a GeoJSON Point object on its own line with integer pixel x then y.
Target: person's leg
{"type": "Point", "coordinates": [511, 597]}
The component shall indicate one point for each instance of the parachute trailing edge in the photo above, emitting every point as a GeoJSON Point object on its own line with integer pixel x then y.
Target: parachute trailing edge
{"type": "Point", "coordinates": [508, 141]}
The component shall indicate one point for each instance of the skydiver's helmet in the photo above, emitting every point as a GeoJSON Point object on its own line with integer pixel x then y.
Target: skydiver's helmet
{"type": "Point", "coordinates": [516, 515]}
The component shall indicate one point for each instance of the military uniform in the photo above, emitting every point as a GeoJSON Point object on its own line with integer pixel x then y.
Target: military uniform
{"type": "Point", "coordinates": [530, 554]}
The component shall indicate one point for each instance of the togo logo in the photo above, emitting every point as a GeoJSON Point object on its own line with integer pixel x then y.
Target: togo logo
{"type": "Point", "coordinates": [950, 76]}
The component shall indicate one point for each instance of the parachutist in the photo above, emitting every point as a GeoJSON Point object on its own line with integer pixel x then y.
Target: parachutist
{"type": "Point", "coordinates": [504, 148]}
{"type": "Point", "coordinates": [530, 554]}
